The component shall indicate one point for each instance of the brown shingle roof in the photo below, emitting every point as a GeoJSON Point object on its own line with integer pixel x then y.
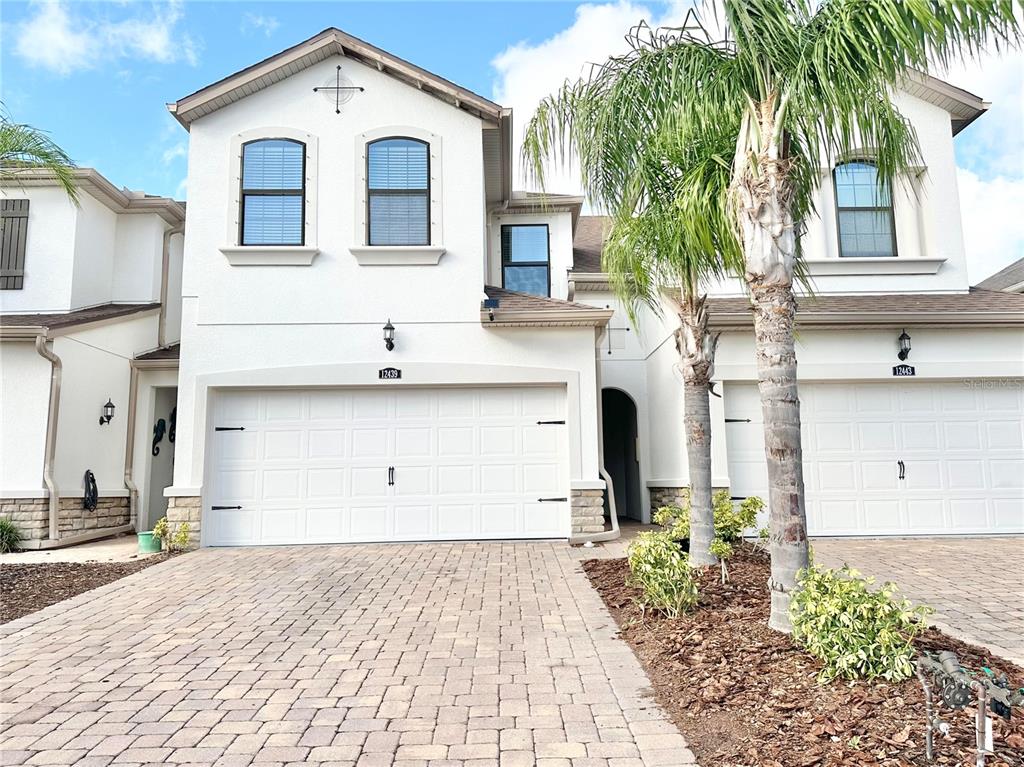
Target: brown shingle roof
{"type": "Point", "coordinates": [171, 352]}
{"type": "Point", "coordinates": [1005, 278]}
{"type": "Point", "coordinates": [54, 320]}
{"type": "Point", "coordinates": [587, 244]}
{"type": "Point", "coordinates": [522, 309]}
{"type": "Point", "coordinates": [973, 307]}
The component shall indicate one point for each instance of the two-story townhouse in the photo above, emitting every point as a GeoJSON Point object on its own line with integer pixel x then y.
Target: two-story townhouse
{"type": "Point", "coordinates": [912, 404]}
{"type": "Point", "coordinates": [87, 291]}
{"type": "Point", "coordinates": [351, 369]}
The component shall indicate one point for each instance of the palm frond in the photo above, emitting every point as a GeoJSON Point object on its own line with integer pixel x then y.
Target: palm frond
{"type": "Point", "coordinates": [22, 146]}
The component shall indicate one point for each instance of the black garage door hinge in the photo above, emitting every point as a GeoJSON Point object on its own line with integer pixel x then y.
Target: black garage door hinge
{"type": "Point", "coordinates": [552, 500]}
{"type": "Point", "coordinates": [737, 420]}
{"type": "Point", "coordinates": [229, 428]}
{"type": "Point", "coordinates": [218, 508]}
{"type": "Point", "coordinates": [543, 423]}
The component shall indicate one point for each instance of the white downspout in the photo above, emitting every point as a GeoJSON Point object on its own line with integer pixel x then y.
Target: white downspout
{"type": "Point", "coordinates": [129, 449]}
{"type": "Point", "coordinates": [53, 411]}
{"type": "Point", "coordinates": [165, 268]}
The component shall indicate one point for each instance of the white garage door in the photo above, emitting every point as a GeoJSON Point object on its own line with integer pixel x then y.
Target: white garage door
{"type": "Point", "coordinates": [961, 445]}
{"type": "Point", "coordinates": [325, 466]}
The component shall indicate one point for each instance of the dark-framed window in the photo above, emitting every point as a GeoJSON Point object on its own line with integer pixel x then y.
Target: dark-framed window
{"type": "Point", "coordinates": [273, 204]}
{"type": "Point", "coordinates": [865, 222]}
{"type": "Point", "coordinates": [398, 191]}
{"type": "Point", "coordinates": [526, 258]}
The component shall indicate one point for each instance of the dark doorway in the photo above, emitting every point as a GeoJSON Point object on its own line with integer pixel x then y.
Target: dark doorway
{"type": "Point", "coordinates": [620, 458]}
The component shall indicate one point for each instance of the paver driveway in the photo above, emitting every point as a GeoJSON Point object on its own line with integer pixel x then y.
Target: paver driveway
{"type": "Point", "coordinates": [428, 655]}
{"type": "Point", "coordinates": [975, 585]}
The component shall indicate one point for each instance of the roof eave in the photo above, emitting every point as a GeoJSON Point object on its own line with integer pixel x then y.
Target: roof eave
{"type": "Point", "coordinates": [546, 318]}
{"type": "Point", "coordinates": [810, 320]}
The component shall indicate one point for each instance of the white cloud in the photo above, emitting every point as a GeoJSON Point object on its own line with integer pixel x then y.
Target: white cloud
{"type": "Point", "coordinates": [174, 152]}
{"type": "Point", "coordinates": [528, 72]}
{"type": "Point", "coordinates": [257, 22]}
{"type": "Point", "coordinates": [63, 40]}
{"type": "Point", "coordinates": [993, 231]}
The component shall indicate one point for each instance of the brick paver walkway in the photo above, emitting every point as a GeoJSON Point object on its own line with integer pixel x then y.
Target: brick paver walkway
{"type": "Point", "coordinates": [976, 585]}
{"type": "Point", "coordinates": [431, 655]}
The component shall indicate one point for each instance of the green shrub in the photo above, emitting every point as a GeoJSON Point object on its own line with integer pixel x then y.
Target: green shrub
{"type": "Point", "coordinates": [722, 550]}
{"type": "Point", "coordinates": [10, 536]}
{"type": "Point", "coordinates": [855, 630]}
{"type": "Point", "coordinates": [662, 572]}
{"type": "Point", "coordinates": [180, 538]}
{"type": "Point", "coordinates": [162, 531]}
{"type": "Point", "coordinates": [730, 520]}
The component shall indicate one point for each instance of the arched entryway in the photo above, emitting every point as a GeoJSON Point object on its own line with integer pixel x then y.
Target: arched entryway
{"type": "Point", "coordinates": [620, 456]}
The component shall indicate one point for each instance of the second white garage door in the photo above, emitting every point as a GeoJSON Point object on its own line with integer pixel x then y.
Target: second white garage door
{"type": "Point", "coordinates": [907, 457]}
{"type": "Point", "coordinates": [336, 465]}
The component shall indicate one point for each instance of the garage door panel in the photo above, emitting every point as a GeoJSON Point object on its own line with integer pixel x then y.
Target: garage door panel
{"type": "Point", "coordinates": [961, 443]}
{"type": "Point", "coordinates": [314, 465]}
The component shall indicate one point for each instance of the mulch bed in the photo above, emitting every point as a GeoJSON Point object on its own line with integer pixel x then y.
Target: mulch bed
{"type": "Point", "coordinates": [25, 588]}
{"type": "Point", "coordinates": [742, 694]}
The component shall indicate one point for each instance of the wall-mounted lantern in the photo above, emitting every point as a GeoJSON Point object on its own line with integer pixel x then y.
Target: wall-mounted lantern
{"type": "Point", "coordinates": [108, 412]}
{"type": "Point", "coordinates": [389, 336]}
{"type": "Point", "coordinates": [904, 341]}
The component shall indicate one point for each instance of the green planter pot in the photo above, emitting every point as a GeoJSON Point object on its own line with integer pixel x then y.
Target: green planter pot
{"type": "Point", "coordinates": [148, 543]}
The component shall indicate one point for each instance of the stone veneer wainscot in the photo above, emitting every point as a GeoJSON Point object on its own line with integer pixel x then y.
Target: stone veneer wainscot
{"type": "Point", "coordinates": [186, 508]}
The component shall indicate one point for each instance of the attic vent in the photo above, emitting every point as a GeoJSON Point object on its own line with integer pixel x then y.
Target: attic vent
{"type": "Point", "coordinates": [338, 92]}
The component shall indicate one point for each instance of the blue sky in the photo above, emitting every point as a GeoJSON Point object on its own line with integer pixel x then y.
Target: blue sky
{"type": "Point", "coordinates": [97, 76]}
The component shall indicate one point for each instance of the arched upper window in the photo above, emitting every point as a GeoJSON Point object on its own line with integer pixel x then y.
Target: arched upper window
{"type": "Point", "coordinates": [864, 211]}
{"type": "Point", "coordinates": [398, 192]}
{"type": "Point", "coordinates": [273, 192]}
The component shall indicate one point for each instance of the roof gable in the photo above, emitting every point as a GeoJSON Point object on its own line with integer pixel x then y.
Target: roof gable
{"type": "Point", "coordinates": [330, 42]}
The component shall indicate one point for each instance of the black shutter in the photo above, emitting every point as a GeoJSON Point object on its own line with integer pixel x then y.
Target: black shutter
{"type": "Point", "coordinates": [13, 234]}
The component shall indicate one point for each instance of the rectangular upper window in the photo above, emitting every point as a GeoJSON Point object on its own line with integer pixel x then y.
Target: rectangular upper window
{"type": "Point", "coordinates": [864, 212]}
{"type": "Point", "coordinates": [398, 192]}
{"type": "Point", "coordinates": [525, 258]}
{"type": "Point", "coordinates": [273, 192]}
{"type": "Point", "coordinates": [13, 236]}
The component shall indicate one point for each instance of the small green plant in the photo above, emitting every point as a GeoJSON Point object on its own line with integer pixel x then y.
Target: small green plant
{"type": "Point", "coordinates": [730, 520]}
{"type": "Point", "coordinates": [855, 630]}
{"type": "Point", "coordinates": [722, 550]}
{"type": "Point", "coordinates": [180, 538]}
{"type": "Point", "coordinates": [10, 536]}
{"type": "Point", "coordinates": [162, 531]}
{"type": "Point", "coordinates": [662, 572]}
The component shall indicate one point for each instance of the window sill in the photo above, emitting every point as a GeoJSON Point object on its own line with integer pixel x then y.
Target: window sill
{"type": "Point", "coordinates": [397, 255]}
{"type": "Point", "coordinates": [822, 267]}
{"type": "Point", "coordinates": [269, 255]}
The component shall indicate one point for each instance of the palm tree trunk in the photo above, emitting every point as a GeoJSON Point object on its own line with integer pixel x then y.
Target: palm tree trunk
{"type": "Point", "coordinates": [763, 193]}
{"type": "Point", "coordinates": [697, 349]}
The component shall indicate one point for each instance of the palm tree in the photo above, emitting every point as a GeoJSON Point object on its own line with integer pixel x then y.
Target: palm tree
{"type": "Point", "coordinates": [808, 83]}
{"type": "Point", "coordinates": [670, 234]}
{"type": "Point", "coordinates": [22, 146]}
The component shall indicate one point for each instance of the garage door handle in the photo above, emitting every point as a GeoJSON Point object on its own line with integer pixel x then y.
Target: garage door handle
{"type": "Point", "coordinates": [903, 469]}
{"type": "Point", "coordinates": [218, 508]}
{"type": "Point", "coordinates": [552, 500]}
{"type": "Point", "coordinates": [391, 475]}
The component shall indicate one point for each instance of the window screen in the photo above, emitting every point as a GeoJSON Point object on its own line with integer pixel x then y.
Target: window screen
{"type": "Point", "coordinates": [398, 192]}
{"type": "Point", "coordinates": [273, 192]}
{"type": "Point", "coordinates": [864, 211]}
{"type": "Point", "coordinates": [525, 259]}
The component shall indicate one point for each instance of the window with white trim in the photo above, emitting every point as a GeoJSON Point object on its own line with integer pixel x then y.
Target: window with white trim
{"type": "Point", "coordinates": [273, 196]}
{"type": "Point", "coordinates": [864, 215]}
{"type": "Point", "coordinates": [398, 191]}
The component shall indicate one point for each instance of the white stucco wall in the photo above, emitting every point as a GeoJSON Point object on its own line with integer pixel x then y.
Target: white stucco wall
{"type": "Point", "coordinates": [320, 325]}
{"type": "Point", "coordinates": [49, 252]}
{"type": "Point", "coordinates": [172, 310]}
{"type": "Point", "coordinates": [76, 257]}
{"type": "Point", "coordinates": [96, 368]}
{"type": "Point", "coordinates": [24, 392]}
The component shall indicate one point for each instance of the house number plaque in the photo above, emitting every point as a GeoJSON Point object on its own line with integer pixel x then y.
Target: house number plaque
{"type": "Point", "coordinates": [903, 371]}
{"type": "Point", "coordinates": [389, 374]}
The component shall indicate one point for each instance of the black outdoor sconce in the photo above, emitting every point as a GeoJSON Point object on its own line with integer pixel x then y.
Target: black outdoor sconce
{"type": "Point", "coordinates": [108, 412]}
{"type": "Point", "coordinates": [389, 336]}
{"type": "Point", "coordinates": [904, 346]}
